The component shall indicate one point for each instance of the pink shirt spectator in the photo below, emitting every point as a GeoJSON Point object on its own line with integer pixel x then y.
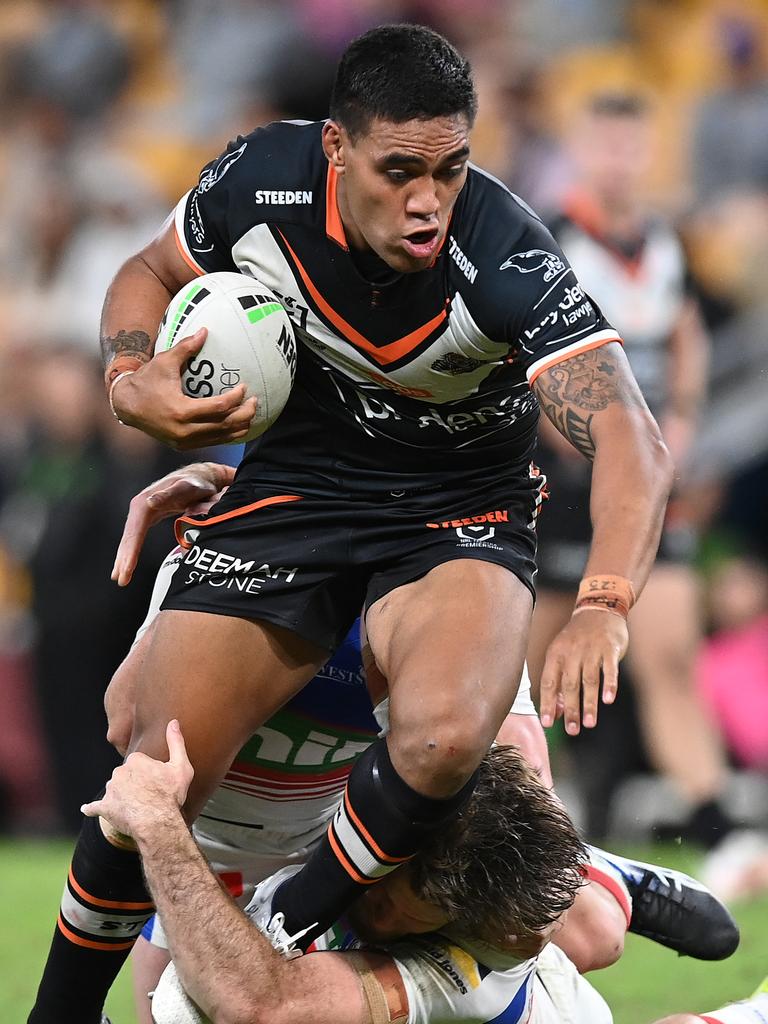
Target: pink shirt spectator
{"type": "Point", "coordinates": [733, 679]}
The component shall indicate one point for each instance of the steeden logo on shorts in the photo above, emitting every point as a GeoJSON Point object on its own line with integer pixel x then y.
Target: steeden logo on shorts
{"type": "Point", "coordinates": [499, 516]}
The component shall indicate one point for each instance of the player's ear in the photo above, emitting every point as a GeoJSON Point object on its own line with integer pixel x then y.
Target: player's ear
{"type": "Point", "coordinates": [333, 145]}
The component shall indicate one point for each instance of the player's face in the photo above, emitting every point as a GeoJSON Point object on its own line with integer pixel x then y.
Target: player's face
{"type": "Point", "coordinates": [392, 909]}
{"type": "Point", "coordinates": [398, 184]}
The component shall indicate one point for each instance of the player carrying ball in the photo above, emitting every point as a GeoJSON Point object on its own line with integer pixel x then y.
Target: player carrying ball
{"type": "Point", "coordinates": [427, 302]}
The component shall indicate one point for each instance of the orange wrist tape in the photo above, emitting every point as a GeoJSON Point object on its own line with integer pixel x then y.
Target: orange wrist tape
{"type": "Point", "coordinates": [122, 364]}
{"type": "Point", "coordinates": [606, 593]}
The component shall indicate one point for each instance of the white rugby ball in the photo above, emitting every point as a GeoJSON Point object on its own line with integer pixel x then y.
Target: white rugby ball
{"type": "Point", "coordinates": [171, 1004]}
{"type": "Point", "coordinates": [250, 341]}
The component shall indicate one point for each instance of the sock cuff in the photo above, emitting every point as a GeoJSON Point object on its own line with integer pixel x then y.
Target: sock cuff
{"type": "Point", "coordinates": [602, 872]}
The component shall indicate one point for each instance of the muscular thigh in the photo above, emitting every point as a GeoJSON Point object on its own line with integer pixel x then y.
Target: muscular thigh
{"type": "Point", "coordinates": [452, 646]}
{"type": "Point", "coordinates": [221, 677]}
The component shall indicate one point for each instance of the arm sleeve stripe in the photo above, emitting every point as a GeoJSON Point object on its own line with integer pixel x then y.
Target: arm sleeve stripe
{"type": "Point", "coordinates": [590, 342]}
{"type": "Point", "coordinates": [181, 241]}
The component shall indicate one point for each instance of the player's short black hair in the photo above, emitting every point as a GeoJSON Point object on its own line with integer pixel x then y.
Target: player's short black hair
{"type": "Point", "coordinates": [631, 105]}
{"type": "Point", "coordinates": [400, 73]}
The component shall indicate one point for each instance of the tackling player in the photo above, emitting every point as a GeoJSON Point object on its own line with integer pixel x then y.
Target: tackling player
{"type": "Point", "coordinates": [462, 934]}
{"type": "Point", "coordinates": [428, 302]}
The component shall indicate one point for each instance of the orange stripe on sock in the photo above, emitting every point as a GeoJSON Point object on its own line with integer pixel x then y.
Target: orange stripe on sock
{"type": "Point", "coordinates": [386, 353]}
{"type": "Point", "coordinates": [277, 499]}
{"type": "Point", "coordinates": [369, 838]}
{"type": "Point", "coordinates": [614, 888]}
{"type": "Point", "coordinates": [112, 904]}
{"type": "Point", "coordinates": [709, 1020]}
{"type": "Point", "coordinates": [107, 947]}
{"type": "Point", "coordinates": [342, 858]}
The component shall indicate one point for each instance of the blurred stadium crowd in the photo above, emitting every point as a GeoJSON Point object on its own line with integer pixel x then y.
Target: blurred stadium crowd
{"type": "Point", "coordinates": [108, 111]}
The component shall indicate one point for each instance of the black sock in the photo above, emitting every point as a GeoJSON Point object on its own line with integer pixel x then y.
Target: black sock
{"type": "Point", "coordinates": [381, 823]}
{"type": "Point", "coordinates": [103, 909]}
{"type": "Point", "coordinates": [708, 824]}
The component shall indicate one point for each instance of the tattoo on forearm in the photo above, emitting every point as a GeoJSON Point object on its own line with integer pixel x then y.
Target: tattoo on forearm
{"type": "Point", "coordinates": [135, 343]}
{"type": "Point", "coordinates": [571, 393]}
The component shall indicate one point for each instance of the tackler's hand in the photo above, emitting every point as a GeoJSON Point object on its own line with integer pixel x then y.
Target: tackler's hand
{"type": "Point", "coordinates": [191, 489]}
{"type": "Point", "coordinates": [144, 793]}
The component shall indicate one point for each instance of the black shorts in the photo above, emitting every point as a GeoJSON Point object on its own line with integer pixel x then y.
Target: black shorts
{"type": "Point", "coordinates": [308, 557]}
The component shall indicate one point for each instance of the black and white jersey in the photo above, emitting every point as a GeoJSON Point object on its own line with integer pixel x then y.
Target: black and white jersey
{"type": "Point", "coordinates": [426, 373]}
{"type": "Point", "coordinates": [641, 291]}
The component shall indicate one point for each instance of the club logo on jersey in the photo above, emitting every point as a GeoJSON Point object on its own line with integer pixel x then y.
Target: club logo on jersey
{"type": "Point", "coordinates": [218, 169]}
{"type": "Point", "coordinates": [283, 197]}
{"type": "Point", "coordinates": [535, 259]}
{"type": "Point", "coordinates": [456, 363]}
{"type": "Point", "coordinates": [468, 269]}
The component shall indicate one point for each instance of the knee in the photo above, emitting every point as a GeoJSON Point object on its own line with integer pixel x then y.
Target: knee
{"type": "Point", "coordinates": [437, 757]}
{"type": "Point", "coordinates": [593, 934]}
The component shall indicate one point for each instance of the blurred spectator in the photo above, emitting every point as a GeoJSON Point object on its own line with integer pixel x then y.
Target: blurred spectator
{"type": "Point", "coordinates": [78, 63]}
{"type": "Point", "coordinates": [734, 660]}
{"type": "Point", "coordinates": [728, 243]}
{"type": "Point", "coordinates": [730, 147]}
{"type": "Point", "coordinates": [62, 517]}
{"type": "Point", "coordinates": [227, 56]}
{"type": "Point", "coordinates": [118, 213]}
{"type": "Point", "coordinates": [553, 25]}
{"type": "Point", "coordinates": [631, 261]}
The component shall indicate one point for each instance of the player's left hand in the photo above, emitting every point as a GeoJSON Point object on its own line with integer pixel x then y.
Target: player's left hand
{"type": "Point", "coordinates": [143, 792]}
{"type": "Point", "coordinates": [593, 642]}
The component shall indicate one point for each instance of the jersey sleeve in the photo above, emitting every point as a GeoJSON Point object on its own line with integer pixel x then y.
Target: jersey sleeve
{"type": "Point", "coordinates": [445, 984]}
{"type": "Point", "coordinates": [551, 316]}
{"type": "Point", "coordinates": [207, 217]}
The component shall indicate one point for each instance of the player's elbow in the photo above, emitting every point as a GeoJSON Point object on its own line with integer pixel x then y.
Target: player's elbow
{"type": "Point", "coordinates": [653, 457]}
{"type": "Point", "coordinates": [664, 464]}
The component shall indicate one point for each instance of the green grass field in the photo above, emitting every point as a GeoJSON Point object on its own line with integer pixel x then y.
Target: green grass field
{"type": "Point", "coordinates": [647, 983]}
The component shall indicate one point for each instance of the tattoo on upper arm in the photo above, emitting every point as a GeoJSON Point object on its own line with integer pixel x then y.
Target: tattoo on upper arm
{"type": "Point", "coordinates": [134, 343]}
{"type": "Point", "coordinates": [571, 392]}
{"type": "Point", "coordinates": [573, 427]}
